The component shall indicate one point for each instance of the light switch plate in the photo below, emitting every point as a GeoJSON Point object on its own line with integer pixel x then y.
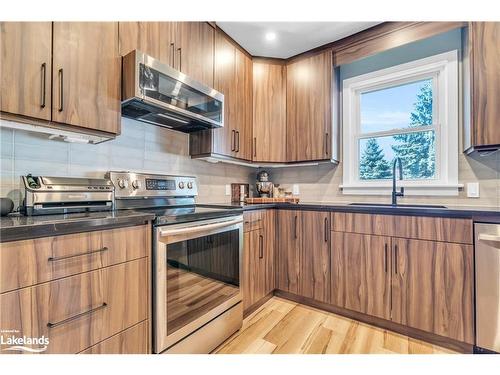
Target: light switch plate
{"type": "Point", "coordinates": [295, 189]}
{"type": "Point", "coordinates": [473, 189]}
{"type": "Point", "coordinates": [228, 189]}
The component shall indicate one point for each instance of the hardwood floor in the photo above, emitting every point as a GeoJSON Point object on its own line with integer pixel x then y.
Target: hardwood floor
{"type": "Point", "coordinates": [285, 327]}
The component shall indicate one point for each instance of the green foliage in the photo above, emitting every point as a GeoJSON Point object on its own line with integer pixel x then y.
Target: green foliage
{"type": "Point", "coordinates": [373, 164]}
{"type": "Point", "coordinates": [416, 150]}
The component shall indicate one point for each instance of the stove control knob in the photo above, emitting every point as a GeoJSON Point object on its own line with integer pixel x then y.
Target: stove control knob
{"type": "Point", "coordinates": [181, 185]}
{"type": "Point", "coordinates": [190, 185]}
{"type": "Point", "coordinates": [123, 184]}
{"type": "Point", "coordinates": [136, 184]}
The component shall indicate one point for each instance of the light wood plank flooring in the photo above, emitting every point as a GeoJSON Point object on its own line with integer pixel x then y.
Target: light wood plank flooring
{"type": "Point", "coordinates": [284, 327]}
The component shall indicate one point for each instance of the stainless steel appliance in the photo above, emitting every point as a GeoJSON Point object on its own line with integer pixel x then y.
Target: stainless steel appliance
{"type": "Point", "coordinates": [155, 93]}
{"type": "Point", "coordinates": [197, 254]}
{"type": "Point", "coordinates": [263, 185]}
{"type": "Point", "coordinates": [487, 260]}
{"type": "Point", "coordinates": [51, 195]}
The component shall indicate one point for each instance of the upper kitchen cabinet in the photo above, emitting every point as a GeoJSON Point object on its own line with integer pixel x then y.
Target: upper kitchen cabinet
{"type": "Point", "coordinates": [25, 71]}
{"type": "Point", "coordinates": [482, 87]}
{"type": "Point", "coordinates": [309, 107]}
{"type": "Point", "coordinates": [233, 78]}
{"type": "Point", "coordinates": [269, 111]}
{"type": "Point", "coordinates": [86, 75]}
{"type": "Point", "coordinates": [144, 36]}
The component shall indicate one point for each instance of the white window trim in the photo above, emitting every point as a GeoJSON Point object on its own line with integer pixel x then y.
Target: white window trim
{"type": "Point", "coordinates": [444, 67]}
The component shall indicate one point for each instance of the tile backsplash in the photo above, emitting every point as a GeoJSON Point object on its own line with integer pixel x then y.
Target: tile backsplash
{"type": "Point", "coordinates": [140, 148]}
{"type": "Point", "coordinates": [146, 148]}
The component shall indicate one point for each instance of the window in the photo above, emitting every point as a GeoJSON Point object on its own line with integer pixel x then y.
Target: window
{"type": "Point", "coordinates": [408, 111]}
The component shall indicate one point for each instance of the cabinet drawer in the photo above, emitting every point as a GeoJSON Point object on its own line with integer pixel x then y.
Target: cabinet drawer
{"type": "Point", "coordinates": [29, 262]}
{"type": "Point", "coordinates": [133, 340]}
{"type": "Point", "coordinates": [253, 220]}
{"type": "Point", "coordinates": [417, 227]}
{"type": "Point", "coordinates": [77, 312]}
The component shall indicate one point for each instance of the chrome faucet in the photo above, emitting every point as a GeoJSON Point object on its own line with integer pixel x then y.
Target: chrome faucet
{"type": "Point", "coordinates": [401, 192]}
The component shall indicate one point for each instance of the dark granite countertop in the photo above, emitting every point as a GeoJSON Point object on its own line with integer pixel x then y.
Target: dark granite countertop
{"type": "Point", "coordinates": [19, 227]}
{"type": "Point", "coordinates": [478, 214]}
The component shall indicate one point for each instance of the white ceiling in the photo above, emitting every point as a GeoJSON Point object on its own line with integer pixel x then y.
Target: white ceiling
{"type": "Point", "coordinates": [292, 38]}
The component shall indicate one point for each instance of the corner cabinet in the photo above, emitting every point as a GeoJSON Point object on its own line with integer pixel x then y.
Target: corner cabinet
{"type": "Point", "coordinates": [57, 72]}
{"type": "Point", "coordinates": [482, 87]}
{"type": "Point", "coordinates": [309, 107]}
{"type": "Point", "coordinates": [269, 111]}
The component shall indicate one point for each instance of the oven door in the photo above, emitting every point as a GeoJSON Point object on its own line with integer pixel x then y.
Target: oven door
{"type": "Point", "coordinates": [196, 275]}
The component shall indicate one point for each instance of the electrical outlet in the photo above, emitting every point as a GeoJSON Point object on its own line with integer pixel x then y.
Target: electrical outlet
{"type": "Point", "coordinates": [473, 189]}
{"type": "Point", "coordinates": [295, 189]}
{"type": "Point", "coordinates": [228, 189]}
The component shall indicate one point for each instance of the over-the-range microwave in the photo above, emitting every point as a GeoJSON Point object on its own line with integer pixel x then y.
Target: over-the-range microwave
{"type": "Point", "coordinates": [156, 93]}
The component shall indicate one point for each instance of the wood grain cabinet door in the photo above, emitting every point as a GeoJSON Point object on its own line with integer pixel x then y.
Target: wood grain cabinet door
{"type": "Point", "coordinates": [361, 273]}
{"type": "Point", "coordinates": [144, 36]}
{"type": "Point", "coordinates": [86, 75]}
{"type": "Point", "coordinates": [289, 228]}
{"type": "Point", "coordinates": [25, 69]}
{"type": "Point", "coordinates": [315, 256]}
{"type": "Point", "coordinates": [432, 287]}
{"type": "Point", "coordinates": [242, 118]}
{"type": "Point", "coordinates": [269, 112]}
{"type": "Point", "coordinates": [267, 257]}
{"type": "Point", "coordinates": [225, 67]}
{"type": "Point", "coordinates": [485, 40]}
{"type": "Point", "coordinates": [309, 107]}
{"type": "Point", "coordinates": [195, 51]}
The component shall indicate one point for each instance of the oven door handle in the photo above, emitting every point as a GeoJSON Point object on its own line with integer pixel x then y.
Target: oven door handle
{"type": "Point", "coordinates": [199, 228]}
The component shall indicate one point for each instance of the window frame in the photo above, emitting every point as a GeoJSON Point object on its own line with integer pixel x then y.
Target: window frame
{"type": "Point", "coordinates": [443, 69]}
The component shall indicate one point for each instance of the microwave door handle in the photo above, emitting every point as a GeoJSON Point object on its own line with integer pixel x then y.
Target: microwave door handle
{"type": "Point", "coordinates": [199, 228]}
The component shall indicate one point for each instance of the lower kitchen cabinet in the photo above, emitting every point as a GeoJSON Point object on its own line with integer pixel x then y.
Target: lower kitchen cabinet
{"type": "Point", "coordinates": [361, 273]}
{"type": "Point", "coordinates": [304, 253]}
{"type": "Point", "coordinates": [258, 257]}
{"type": "Point", "coordinates": [133, 340]}
{"type": "Point", "coordinates": [432, 287]}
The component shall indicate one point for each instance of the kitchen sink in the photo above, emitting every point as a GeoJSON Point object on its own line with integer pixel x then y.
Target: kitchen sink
{"type": "Point", "coordinates": [397, 205]}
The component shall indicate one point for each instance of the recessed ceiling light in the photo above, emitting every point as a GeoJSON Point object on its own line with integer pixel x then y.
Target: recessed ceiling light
{"type": "Point", "coordinates": [270, 36]}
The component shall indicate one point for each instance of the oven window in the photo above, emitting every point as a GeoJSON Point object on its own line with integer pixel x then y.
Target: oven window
{"type": "Point", "coordinates": [202, 273]}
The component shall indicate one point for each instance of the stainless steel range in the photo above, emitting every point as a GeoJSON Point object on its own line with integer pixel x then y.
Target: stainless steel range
{"type": "Point", "coordinates": [197, 254]}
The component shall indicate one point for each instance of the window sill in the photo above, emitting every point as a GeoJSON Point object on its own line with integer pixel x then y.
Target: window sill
{"type": "Point", "coordinates": [429, 190]}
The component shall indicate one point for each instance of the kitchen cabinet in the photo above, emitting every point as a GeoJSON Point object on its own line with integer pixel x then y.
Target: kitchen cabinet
{"type": "Point", "coordinates": [361, 276]}
{"type": "Point", "coordinates": [269, 111]}
{"type": "Point", "coordinates": [25, 71]}
{"type": "Point", "coordinates": [86, 75]}
{"type": "Point", "coordinates": [309, 107]}
{"type": "Point", "coordinates": [482, 87]}
{"type": "Point", "coordinates": [233, 78]}
{"type": "Point", "coordinates": [65, 288]}
{"type": "Point", "coordinates": [144, 36]}
{"type": "Point", "coordinates": [304, 253]}
{"type": "Point", "coordinates": [258, 259]}
{"type": "Point", "coordinates": [432, 287]}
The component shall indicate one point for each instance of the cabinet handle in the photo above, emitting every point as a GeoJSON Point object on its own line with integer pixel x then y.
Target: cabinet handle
{"type": "Point", "coordinates": [172, 46]}
{"type": "Point", "coordinates": [180, 57]}
{"type": "Point", "coordinates": [385, 258]}
{"type": "Point", "coordinates": [55, 259]}
{"type": "Point", "coordinates": [43, 85]}
{"type": "Point", "coordinates": [326, 229]}
{"type": "Point", "coordinates": [396, 259]}
{"type": "Point", "coordinates": [61, 85]}
{"type": "Point", "coordinates": [238, 138]}
{"type": "Point", "coordinates": [295, 227]}
{"type": "Point", "coordinates": [261, 246]}
{"type": "Point", "coordinates": [255, 146]}
{"type": "Point", "coordinates": [233, 140]}
{"type": "Point", "coordinates": [326, 143]}
{"type": "Point", "coordinates": [67, 320]}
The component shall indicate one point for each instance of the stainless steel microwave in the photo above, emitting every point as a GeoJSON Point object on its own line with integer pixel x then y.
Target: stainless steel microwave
{"type": "Point", "coordinates": [155, 93]}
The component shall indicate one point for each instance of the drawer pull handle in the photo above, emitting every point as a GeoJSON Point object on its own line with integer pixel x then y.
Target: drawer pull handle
{"type": "Point", "coordinates": [55, 259]}
{"type": "Point", "coordinates": [52, 325]}
{"type": "Point", "coordinates": [253, 221]}
{"type": "Point", "coordinates": [261, 246]}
